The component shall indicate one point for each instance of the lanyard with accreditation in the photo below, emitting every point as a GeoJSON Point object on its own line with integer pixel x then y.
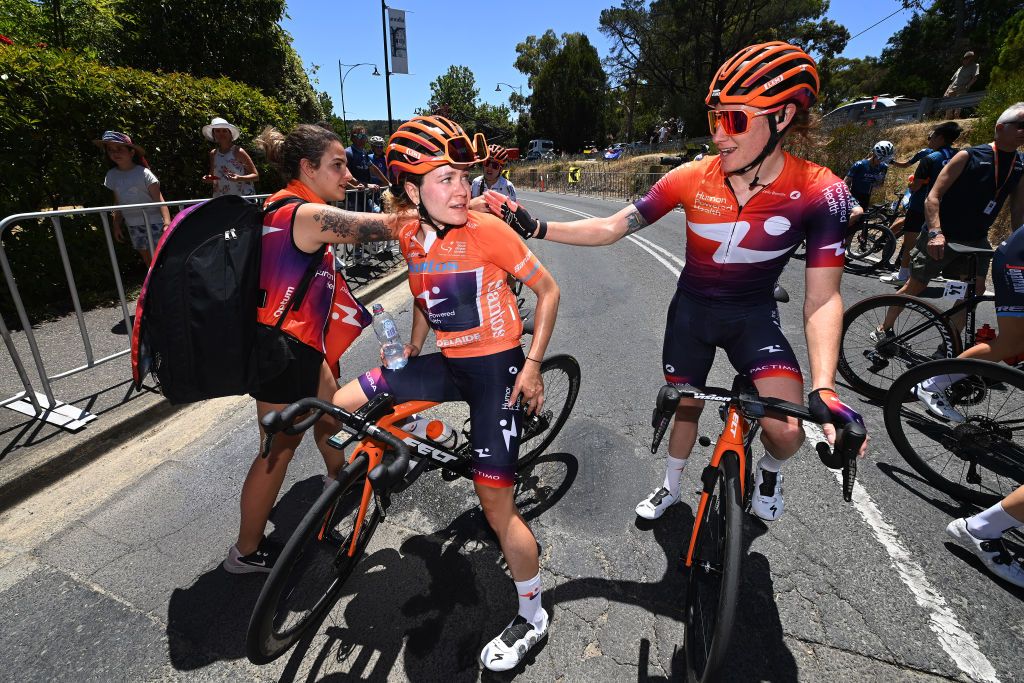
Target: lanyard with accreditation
{"type": "Point", "coordinates": [991, 206]}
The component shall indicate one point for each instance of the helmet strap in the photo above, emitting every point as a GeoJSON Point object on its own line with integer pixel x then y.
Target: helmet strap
{"type": "Point", "coordinates": [439, 228]}
{"type": "Point", "coordinates": [773, 141]}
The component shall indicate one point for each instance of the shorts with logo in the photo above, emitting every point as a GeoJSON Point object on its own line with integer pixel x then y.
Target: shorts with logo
{"type": "Point", "coordinates": [137, 233]}
{"type": "Point", "coordinates": [923, 267]}
{"type": "Point", "coordinates": [751, 336]}
{"type": "Point", "coordinates": [1008, 281]}
{"type": "Point", "coordinates": [485, 383]}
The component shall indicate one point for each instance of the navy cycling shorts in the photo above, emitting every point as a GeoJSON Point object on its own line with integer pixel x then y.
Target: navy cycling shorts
{"type": "Point", "coordinates": [1008, 281]}
{"type": "Point", "coordinates": [483, 382]}
{"type": "Point", "coordinates": [751, 336]}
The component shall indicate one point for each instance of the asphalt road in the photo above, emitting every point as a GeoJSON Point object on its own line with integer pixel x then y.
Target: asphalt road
{"type": "Point", "coordinates": [113, 573]}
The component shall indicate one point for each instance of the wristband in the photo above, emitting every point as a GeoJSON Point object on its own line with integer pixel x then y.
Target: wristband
{"type": "Point", "coordinates": [542, 229]}
{"type": "Point", "coordinates": [533, 359]}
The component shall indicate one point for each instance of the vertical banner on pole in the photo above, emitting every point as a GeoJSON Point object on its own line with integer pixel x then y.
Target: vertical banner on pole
{"type": "Point", "coordinates": [399, 52]}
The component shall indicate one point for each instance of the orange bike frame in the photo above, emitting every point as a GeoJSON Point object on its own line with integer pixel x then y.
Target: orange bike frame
{"type": "Point", "coordinates": [732, 438]}
{"type": "Point", "coordinates": [374, 455]}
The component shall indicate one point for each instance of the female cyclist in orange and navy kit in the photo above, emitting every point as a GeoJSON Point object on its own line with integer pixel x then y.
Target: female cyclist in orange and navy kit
{"type": "Point", "coordinates": [458, 264]}
{"type": "Point", "coordinates": [746, 209]}
{"type": "Point", "coordinates": [317, 330]}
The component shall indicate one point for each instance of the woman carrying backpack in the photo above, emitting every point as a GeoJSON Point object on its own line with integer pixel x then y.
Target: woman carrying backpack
{"type": "Point", "coordinates": [313, 161]}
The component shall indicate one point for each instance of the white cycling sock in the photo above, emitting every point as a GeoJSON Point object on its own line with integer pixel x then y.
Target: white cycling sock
{"type": "Point", "coordinates": [529, 599]}
{"type": "Point", "coordinates": [673, 472]}
{"type": "Point", "coordinates": [942, 382]}
{"type": "Point", "coordinates": [992, 523]}
{"type": "Point", "coordinates": [769, 463]}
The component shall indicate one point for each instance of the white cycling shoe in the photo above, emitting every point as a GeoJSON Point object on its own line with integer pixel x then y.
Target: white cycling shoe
{"type": "Point", "coordinates": [508, 649]}
{"type": "Point", "coordinates": [767, 502]}
{"type": "Point", "coordinates": [654, 505]}
{"type": "Point", "coordinates": [936, 403]}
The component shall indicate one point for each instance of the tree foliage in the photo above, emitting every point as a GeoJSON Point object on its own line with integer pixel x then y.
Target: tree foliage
{"type": "Point", "coordinates": [568, 101]}
{"type": "Point", "coordinates": [454, 94]}
{"type": "Point", "coordinates": [1010, 60]}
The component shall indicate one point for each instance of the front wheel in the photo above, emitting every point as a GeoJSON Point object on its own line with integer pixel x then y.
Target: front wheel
{"type": "Point", "coordinates": [978, 460]}
{"type": "Point", "coordinates": [871, 245]}
{"type": "Point", "coordinates": [561, 375]}
{"type": "Point", "coordinates": [713, 586]}
{"type": "Point", "coordinates": [313, 566]}
{"type": "Point", "coordinates": [871, 360]}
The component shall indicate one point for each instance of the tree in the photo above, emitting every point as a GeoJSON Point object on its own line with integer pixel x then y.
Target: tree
{"type": "Point", "coordinates": [495, 122]}
{"type": "Point", "coordinates": [454, 94]}
{"type": "Point", "coordinates": [1010, 60]}
{"type": "Point", "coordinates": [569, 94]}
{"type": "Point", "coordinates": [87, 27]}
{"type": "Point", "coordinates": [844, 79]}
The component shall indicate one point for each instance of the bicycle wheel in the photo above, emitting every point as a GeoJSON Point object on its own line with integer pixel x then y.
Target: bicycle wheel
{"type": "Point", "coordinates": [312, 567]}
{"type": "Point", "coordinates": [561, 375]}
{"type": "Point", "coordinates": [713, 585]}
{"type": "Point", "coordinates": [979, 460]}
{"type": "Point", "coordinates": [871, 245]}
{"type": "Point", "coordinates": [919, 334]}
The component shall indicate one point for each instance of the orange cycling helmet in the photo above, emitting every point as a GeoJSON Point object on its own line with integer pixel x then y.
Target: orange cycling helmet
{"type": "Point", "coordinates": [424, 143]}
{"type": "Point", "coordinates": [766, 75]}
{"type": "Point", "coordinates": [498, 153]}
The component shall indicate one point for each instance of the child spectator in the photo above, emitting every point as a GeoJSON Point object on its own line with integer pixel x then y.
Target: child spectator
{"type": "Point", "coordinates": [131, 181]}
{"type": "Point", "coordinates": [231, 168]}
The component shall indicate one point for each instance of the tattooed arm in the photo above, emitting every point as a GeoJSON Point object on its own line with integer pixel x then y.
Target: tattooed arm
{"type": "Point", "coordinates": [319, 224]}
{"type": "Point", "coordinates": [598, 231]}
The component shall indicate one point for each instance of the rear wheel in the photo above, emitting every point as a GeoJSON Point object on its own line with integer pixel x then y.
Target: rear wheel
{"type": "Point", "coordinates": [979, 460]}
{"type": "Point", "coordinates": [870, 246]}
{"type": "Point", "coordinates": [313, 566]}
{"type": "Point", "coordinates": [712, 591]}
{"type": "Point", "coordinates": [561, 375]}
{"type": "Point", "coordinates": [918, 335]}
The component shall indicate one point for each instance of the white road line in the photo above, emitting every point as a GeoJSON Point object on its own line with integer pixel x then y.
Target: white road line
{"type": "Point", "coordinates": [955, 640]}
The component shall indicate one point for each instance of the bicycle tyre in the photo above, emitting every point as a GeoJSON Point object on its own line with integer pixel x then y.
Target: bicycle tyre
{"type": "Point", "coordinates": [713, 584]}
{"type": "Point", "coordinates": [950, 455]}
{"type": "Point", "coordinates": [878, 240]}
{"type": "Point", "coordinates": [306, 580]}
{"type": "Point", "coordinates": [561, 375]}
{"type": "Point", "coordinates": [871, 367]}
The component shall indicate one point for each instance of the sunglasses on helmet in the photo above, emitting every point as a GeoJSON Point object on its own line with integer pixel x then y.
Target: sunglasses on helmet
{"type": "Point", "coordinates": [736, 121]}
{"type": "Point", "coordinates": [458, 150]}
{"type": "Point", "coordinates": [491, 163]}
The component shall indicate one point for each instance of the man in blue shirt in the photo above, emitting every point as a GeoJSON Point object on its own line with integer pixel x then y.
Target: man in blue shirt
{"type": "Point", "coordinates": [939, 154]}
{"type": "Point", "coordinates": [867, 174]}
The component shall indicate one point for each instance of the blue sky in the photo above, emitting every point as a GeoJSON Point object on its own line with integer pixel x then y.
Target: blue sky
{"type": "Point", "coordinates": [483, 37]}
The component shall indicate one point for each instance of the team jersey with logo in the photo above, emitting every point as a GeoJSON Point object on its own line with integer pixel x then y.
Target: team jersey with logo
{"type": "Point", "coordinates": [460, 284]}
{"type": "Point", "coordinates": [502, 185]}
{"type": "Point", "coordinates": [735, 253]}
{"type": "Point", "coordinates": [282, 265]}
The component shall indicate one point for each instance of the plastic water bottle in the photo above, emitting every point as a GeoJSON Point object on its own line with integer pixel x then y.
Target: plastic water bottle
{"type": "Point", "coordinates": [391, 346]}
{"type": "Point", "coordinates": [433, 429]}
{"type": "Point", "coordinates": [984, 334]}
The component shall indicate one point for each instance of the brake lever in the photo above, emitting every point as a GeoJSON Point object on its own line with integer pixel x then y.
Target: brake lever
{"type": "Point", "coordinates": [665, 407]}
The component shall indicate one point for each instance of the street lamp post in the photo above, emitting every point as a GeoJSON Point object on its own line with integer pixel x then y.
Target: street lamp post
{"type": "Point", "coordinates": [342, 77]}
{"type": "Point", "coordinates": [497, 88]}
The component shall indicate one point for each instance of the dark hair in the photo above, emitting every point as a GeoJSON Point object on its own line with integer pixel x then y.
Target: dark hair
{"type": "Point", "coordinates": [803, 123]}
{"type": "Point", "coordinates": [396, 199]}
{"type": "Point", "coordinates": [950, 131]}
{"type": "Point", "coordinates": [307, 141]}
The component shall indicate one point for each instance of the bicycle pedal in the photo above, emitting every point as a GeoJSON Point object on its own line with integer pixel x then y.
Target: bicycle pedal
{"type": "Point", "coordinates": [448, 475]}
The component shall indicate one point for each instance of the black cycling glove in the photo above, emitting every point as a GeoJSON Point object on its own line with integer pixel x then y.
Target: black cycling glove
{"type": "Point", "coordinates": [523, 223]}
{"type": "Point", "coordinates": [825, 406]}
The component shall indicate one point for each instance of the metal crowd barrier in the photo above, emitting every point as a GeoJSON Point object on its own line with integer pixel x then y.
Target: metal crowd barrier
{"type": "Point", "coordinates": [44, 405]}
{"type": "Point", "coordinates": [603, 184]}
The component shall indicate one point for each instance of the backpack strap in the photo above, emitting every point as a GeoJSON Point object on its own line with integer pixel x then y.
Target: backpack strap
{"type": "Point", "coordinates": [314, 261]}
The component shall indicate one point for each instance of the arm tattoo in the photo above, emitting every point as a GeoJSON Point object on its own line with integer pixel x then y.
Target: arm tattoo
{"type": "Point", "coordinates": [635, 222]}
{"type": "Point", "coordinates": [356, 227]}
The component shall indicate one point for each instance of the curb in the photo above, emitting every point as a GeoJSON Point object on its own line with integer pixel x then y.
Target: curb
{"type": "Point", "coordinates": [76, 453]}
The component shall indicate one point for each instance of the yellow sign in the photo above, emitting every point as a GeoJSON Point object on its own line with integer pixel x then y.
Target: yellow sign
{"type": "Point", "coordinates": [504, 174]}
{"type": "Point", "coordinates": [574, 174]}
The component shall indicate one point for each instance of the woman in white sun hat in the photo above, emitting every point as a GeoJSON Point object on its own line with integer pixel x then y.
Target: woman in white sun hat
{"type": "Point", "coordinates": [231, 168]}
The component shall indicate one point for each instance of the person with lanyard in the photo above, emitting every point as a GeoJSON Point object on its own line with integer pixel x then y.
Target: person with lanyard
{"type": "Point", "coordinates": [931, 161]}
{"type": "Point", "coordinates": [478, 329]}
{"type": "Point", "coordinates": [312, 160]}
{"type": "Point", "coordinates": [492, 179]}
{"type": "Point", "coordinates": [964, 200]}
{"type": "Point", "coordinates": [378, 158]}
{"type": "Point", "coordinates": [724, 296]}
{"type": "Point", "coordinates": [868, 174]}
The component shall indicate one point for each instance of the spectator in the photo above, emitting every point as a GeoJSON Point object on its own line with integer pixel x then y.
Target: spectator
{"type": "Point", "coordinates": [231, 168]}
{"type": "Point", "coordinates": [868, 174]}
{"type": "Point", "coordinates": [377, 155]}
{"type": "Point", "coordinates": [492, 179]}
{"type": "Point", "coordinates": [962, 80]}
{"type": "Point", "coordinates": [963, 203]}
{"type": "Point", "coordinates": [365, 175]}
{"type": "Point", "coordinates": [935, 156]}
{"type": "Point", "coordinates": [131, 181]}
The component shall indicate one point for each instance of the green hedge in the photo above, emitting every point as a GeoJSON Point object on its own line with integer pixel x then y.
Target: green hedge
{"type": "Point", "coordinates": [52, 105]}
{"type": "Point", "coordinates": [999, 96]}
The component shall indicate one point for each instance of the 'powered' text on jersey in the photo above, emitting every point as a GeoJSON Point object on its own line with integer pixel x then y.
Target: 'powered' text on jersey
{"type": "Point", "coordinates": [736, 253]}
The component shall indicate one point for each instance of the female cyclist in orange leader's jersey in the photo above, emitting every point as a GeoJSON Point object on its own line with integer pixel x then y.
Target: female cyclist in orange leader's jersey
{"type": "Point", "coordinates": [314, 163]}
{"type": "Point", "coordinates": [458, 264]}
{"type": "Point", "coordinates": [746, 211]}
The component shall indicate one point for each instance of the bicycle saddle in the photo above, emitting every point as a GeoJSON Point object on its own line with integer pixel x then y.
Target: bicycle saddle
{"type": "Point", "coordinates": [964, 249]}
{"type": "Point", "coordinates": [780, 294]}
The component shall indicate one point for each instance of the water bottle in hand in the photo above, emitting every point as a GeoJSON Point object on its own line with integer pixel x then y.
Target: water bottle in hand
{"type": "Point", "coordinates": [391, 347]}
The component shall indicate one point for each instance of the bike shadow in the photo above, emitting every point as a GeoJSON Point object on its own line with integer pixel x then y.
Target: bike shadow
{"type": "Point", "coordinates": [432, 603]}
{"type": "Point", "coordinates": [207, 621]}
{"type": "Point", "coordinates": [757, 651]}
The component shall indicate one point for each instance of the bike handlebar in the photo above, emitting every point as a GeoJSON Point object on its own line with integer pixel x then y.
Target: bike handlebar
{"type": "Point", "coordinates": [360, 426]}
{"type": "Point", "coordinates": [849, 436]}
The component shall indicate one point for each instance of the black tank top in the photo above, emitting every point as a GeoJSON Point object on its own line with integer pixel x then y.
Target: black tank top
{"type": "Point", "coordinates": [962, 210]}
